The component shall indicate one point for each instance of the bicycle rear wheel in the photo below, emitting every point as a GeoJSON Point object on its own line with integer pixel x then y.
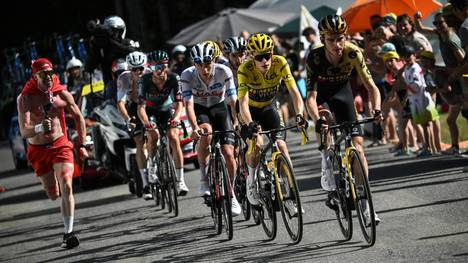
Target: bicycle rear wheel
{"type": "Point", "coordinates": [287, 193]}
{"type": "Point", "coordinates": [341, 197]}
{"type": "Point", "coordinates": [267, 212]}
{"type": "Point", "coordinates": [225, 195]}
{"type": "Point", "coordinates": [363, 201]}
{"type": "Point", "coordinates": [171, 185]}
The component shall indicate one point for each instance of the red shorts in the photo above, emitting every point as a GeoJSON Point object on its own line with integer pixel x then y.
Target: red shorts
{"type": "Point", "coordinates": [43, 157]}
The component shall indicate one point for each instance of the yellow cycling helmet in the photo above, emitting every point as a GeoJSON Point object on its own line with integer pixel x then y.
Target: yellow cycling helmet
{"type": "Point", "coordinates": [217, 50]}
{"type": "Point", "coordinates": [260, 43]}
{"type": "Point", "coordinates": [332, 24]}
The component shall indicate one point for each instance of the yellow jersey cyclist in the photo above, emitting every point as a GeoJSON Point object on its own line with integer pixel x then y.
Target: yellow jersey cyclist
{"type": "Point", "coordinates": [158, 92]}
{"type": "Point", "coordinates": [259, 80]}
{"type": "Point", "coordinates": [207, 89]}
{"type": "Point", "coordinates": [329, 68]}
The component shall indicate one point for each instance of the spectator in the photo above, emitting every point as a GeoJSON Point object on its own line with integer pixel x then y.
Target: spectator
{"type": "Point", "coordinates": [411, 37]}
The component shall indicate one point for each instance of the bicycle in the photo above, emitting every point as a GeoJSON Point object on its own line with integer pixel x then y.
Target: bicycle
{"type": "Point", "coordinates": [162, 174]}
{"type": "Point", "coordinates": [240, 179]}
{"type": "Point", "coordinates": [220, 185]}
{"type": "Point", "coordinates": [352, 185]}
{"type": "Point", "coordinates": [277, 188]}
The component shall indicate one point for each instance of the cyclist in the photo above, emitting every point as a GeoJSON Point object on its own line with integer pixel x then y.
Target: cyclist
{"type": "Point", "coordinates": [127, 103]}
{"type": "Point", "coordinates": [259, 80]}
{"type": "Point", "coordinates": [158, 92]}
{"type": "Point", "coordinates": [329, 69]}
{"type": "Point", "coordinates": [205, 87]}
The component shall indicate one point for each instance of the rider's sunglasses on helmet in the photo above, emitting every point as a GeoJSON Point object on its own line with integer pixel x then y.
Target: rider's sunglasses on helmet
{"type": "Point", "coordinates": [156, 67]}
{"type": "Point", "coordinates": [138, 69]}
{"type": "Point", "coordinates": [261, 57]}
{"type": "Point", "coordinates": [43, 74]}
{"type": "Point", "coordinates": [205, 59]}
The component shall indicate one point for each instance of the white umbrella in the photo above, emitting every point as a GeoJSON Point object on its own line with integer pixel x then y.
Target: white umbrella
{"type": "Point", "coordinates": [231, 22]}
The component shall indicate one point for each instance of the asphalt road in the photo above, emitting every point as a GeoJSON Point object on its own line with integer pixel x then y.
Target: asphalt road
{"type": "Point", "coordinates": [423, 204]}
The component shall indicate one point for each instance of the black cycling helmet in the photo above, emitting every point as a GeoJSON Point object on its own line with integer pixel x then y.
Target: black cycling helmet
{"type": "Point", "coordinates": [158, 56]}
{"type": "Point", "coordinates": [333, 24]}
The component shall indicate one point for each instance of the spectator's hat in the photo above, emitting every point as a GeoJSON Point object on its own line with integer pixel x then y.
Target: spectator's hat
{"type": "Point", "coordinates": [389, 55]}
{"type": "Point", "coordinates": [387, 47]}
{"type": "Point", "coordinates": [389, 19]}
{"type": "Point", "coordinates": [427, 54]}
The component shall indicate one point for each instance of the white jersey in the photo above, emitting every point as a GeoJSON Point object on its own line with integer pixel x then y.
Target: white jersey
{"type": "Point", "coordinates": [124, 85]}
{"type": "Point", "coordinates": [414, 77]}
{"type": "Point", "coordinates": [221, 86]}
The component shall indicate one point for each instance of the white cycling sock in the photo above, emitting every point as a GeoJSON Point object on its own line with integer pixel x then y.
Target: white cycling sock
{"type": "Point", "coordinates": [180, 174]}
{"type": "Point", "coordinates": [144, 177]}
{"type": "Point", "coordinates": [68, 224]}
{"type": "Point", "coordinates": [204, 172]}
{"type": "Point", "coordinates": [251, 170]}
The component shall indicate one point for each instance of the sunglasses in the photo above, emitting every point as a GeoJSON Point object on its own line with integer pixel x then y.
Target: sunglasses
{"type": "Point", "coordinates": [261, 57]}
{"type": "Point", "coordinates": [438, 23]}
{"type": "Point", "coordinates": [138, 69]}
{"type": "Point", "coordinates": [156, 67]}
{"type": "Point", "coordinates": [205, 59]}
{"type": "Point", "coordinates": [45, 74]}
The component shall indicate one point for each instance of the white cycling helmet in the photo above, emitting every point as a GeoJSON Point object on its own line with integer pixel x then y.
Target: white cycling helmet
{"type": "Point", "coordinates": [136, 59]}
{"type": "Point", "coordinates": [74, 63]}
{"type": "Point", "coordinates": [234, 45]}
{"type": "Point", "coordinates": [202, 52]}
{"type": "Point", "coordinates": [179, 48]}
{"type": "Point", "coordinates": [117, 23]}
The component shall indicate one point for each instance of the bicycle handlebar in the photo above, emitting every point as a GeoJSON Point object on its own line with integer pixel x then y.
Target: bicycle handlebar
{"type": "Point", "coordinates": [343, 125]}
{"type": "Point", "coordinates": [253, 142]}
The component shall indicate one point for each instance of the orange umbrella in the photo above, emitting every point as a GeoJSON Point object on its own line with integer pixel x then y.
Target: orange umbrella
{"type": "Point", "coordinates": [358, 13]}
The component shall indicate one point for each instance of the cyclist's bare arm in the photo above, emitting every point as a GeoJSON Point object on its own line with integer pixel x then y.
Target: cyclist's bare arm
{"type": "Point", "coordinates": [244, 109]}
{"type": "Point", "coordinates": [311, 104]}
{"type": "Point", "coordinates": [232, 104]}
{"type": "Point", "coordinates": [122, 109]}
{"type": "Point", "coordinates": [374, 92]}
{"type": "Point", "coordinates": [142, 114]}
{"type": "Point", "coordinates": [179, 107]}
{"type": "Point", "coordinates": [191, 114]}
{"type": "Point", "coordinates": [297, 99]}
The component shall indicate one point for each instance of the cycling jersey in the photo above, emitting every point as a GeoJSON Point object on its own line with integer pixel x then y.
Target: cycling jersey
{"type": "Point", "coordinates": [221, 86]}
{"type": "Point", "coordinates": [328, 79]}
{"type": "Point", "coordinates": [262, 88]}
{"type": "Point", "coordinates": [156, 99]}
{"type": "Point", "coordinates": [124, 85]}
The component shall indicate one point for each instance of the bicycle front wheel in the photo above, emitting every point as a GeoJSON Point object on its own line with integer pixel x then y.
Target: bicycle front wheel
{"type": "Point", "coordinates": [240, 191]}
{"type": "Point", "coordinates": [363, 200]}
{"type": "Point", "coordinates": [340, 198]}
{"type": "Point", "coordinates": [287, 193]}
{"type": "Point", "coordinates": [267, 212]}
{"type": "Point", "coordinates": [171, 185]}
{"type": "Point", "coordinates": [225, 187]}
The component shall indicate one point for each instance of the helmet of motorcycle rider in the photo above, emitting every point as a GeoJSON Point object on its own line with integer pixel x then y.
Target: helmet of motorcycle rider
{"type": "Point", "coordinates": [116, 23]}
{"type": "Point", "coordinates": [74, 63]}
{"type": "Point", "coordinates": [136, 59]}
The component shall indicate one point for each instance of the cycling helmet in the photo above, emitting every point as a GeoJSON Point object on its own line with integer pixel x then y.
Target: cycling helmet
{"type": "Point", "coordinates": [116, 22]}
{"type": "Point", "coordinates": [179, 49]}
{"type": "Point", "coordinates": [260, 43]}
{"type": "Point", "coordinates": [74, 63]}
{"type": "Point", "coordinates": [136, 59]}
{"type": "Point", "coordinates": [158, 56]}
{"type": "Point", "coordinates": [119, 64]}
{"type": "Point", "coordinates": [332, 24]}
{"type": "Point", "coordinates": [202, 52]}
{"type": "Point", "coordinates": [234, 45]}
{"type": "Point", "coordinates": [217, 50]}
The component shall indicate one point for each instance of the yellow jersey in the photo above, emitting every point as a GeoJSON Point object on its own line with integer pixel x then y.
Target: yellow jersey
{"type": "Point", "coordinates": [262, 88]}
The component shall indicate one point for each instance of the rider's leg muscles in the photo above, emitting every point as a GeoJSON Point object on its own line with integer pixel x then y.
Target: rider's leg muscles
{"type": "Point", "coordinates": [140, 157]}
{"type": "Point", "coordinates": [64, 174]}
{"type": "Point", "coordinates": [152, 140]}
{"type": "Point", "coordinates": [202, 150]}
{"type": "Point", "coordinates": [228, 152]}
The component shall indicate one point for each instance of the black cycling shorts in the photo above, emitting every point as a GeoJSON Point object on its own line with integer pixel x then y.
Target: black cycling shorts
{"type": "Point", "coordinates": [132, 112]}
{"type": "Point", "coordinates": [218, 117]}
{"type": "Point", "coordinates": [341, 104]}
{"type": "Point", "coordinates": [268, 118]}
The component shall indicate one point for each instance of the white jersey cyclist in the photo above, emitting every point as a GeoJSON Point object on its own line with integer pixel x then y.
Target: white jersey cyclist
{"type": "Point", "coordinates": [220, 88]}
{"type": "Point", "coordinates": [124, 87]}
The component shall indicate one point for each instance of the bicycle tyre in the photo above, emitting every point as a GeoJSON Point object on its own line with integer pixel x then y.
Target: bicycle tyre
{"type": "Point", "coordinates": [343, 211]}
{"type": "Point", "coordinates": [293, 220]}
{"type": "Point", "coordinates": [215, 204]}
{"type": "Point", "coordinates": [225, 195]}
{"type": "Point", "coordinates": [241, 192]}
{"type": "Point", "coordinates": [136, 176]}
{"type": "Point", "coordinates": [161, 169]}
{"type": "Point", "coordinates": [359, 173]}
{"type": "Point", "coordinates": [171, 185]}
{"type": "Point", "coordinates": [268, 212]}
